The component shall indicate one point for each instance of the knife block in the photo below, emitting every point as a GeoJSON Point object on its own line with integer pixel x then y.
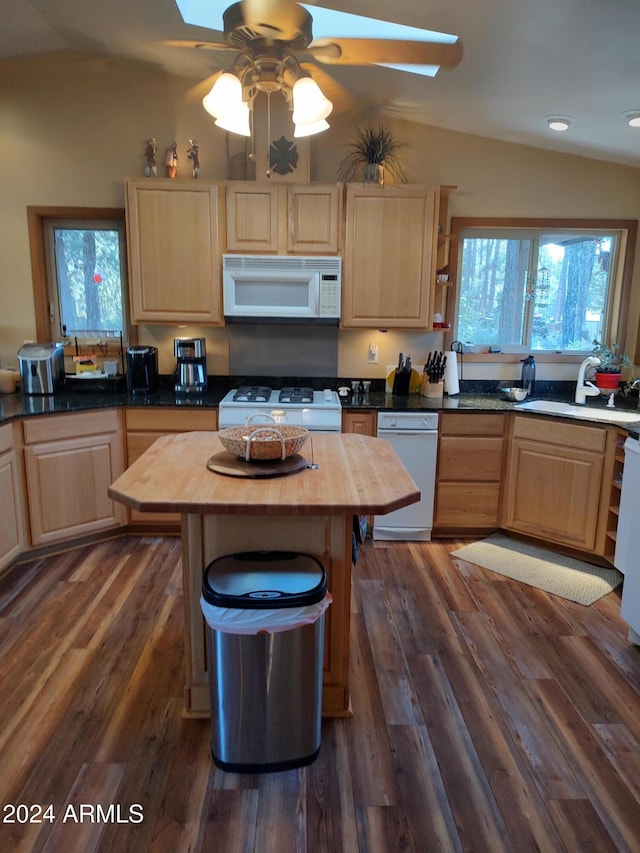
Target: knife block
{"type": "Point", "coordinates": [401, 384]}
{"type": "Point", "coordinates": [434, 389]}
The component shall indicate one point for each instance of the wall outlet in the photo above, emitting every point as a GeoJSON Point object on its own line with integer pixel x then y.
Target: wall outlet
{"type": "Point", "coordinates": [372, 354]}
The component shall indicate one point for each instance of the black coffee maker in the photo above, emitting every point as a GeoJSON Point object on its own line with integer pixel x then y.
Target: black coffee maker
{"type": "Point", "coordinates": [142, 369]}
{"type": "Point", "coordinates": [191, 370]}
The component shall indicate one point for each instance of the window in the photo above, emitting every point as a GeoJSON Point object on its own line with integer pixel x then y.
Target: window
{"type": "Point", "coordinates": [85, 277]}
{"type": "Point", "coordinates": [79, 273]}
{"type": "Point", "coordinates": [554, 287]}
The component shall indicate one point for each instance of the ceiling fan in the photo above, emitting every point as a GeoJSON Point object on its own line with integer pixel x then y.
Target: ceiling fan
{"type": "Point", "coordinates": [268, 37]}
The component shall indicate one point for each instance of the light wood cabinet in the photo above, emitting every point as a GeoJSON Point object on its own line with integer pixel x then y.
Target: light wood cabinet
{"type": "Point", "coordinates": [175, 235]}
{"type": "Point", "coordinates": [469, 472]}
{"type": "Point", "coordinates": [361, 421]}
{"type": "Point", "coordinates": [70, 462]}
{"type": "Point", "coordinates": [12, 510]}
{"type": "Point", "coordinates": [559, 482]}
{"type": "Point", "coordinates": [274, 218]}
{"type": "Point", "coordinates": [389, 257]}
{"type": "Point", "coordinates": [143, 427]}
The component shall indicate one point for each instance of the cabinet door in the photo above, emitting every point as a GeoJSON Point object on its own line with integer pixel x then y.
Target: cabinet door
{"type": "Point", "coordinates": [313, 218]}
{"type": "Point", "coordinates": [253, 216]}
{"type": "Point", "coordinates": [362, 422]}
{"type": "Point", "coordinates": [554, 492]}
{"type": "Point", "coordinates": [144, 426]}
{"type": "Point", "coordinates": [174, 240]}
{"type": "Point", "coordinates": [68, 479]}
{"type": "Point", "coordinates": [389, 257]}
{"type": "Point", "coordinates": [11, 528]}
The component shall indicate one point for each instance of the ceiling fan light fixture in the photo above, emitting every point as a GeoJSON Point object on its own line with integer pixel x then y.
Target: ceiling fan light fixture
{"type": "Point", "coordinates": [558, 123]}
{"type": "Point", "coordinates": [236, 120]}
{"type": "Point", "coordinates": [310, 106]}
{"type": "Point", "coordinates": [311, 129]}
{"type": "Point", "coordinates": [225, 96]}
{"type": "Point", "coordinates": [633, 118]}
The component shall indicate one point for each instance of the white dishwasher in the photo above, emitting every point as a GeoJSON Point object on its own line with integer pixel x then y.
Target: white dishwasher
{"type": "Point", "coordinates": [414, 437]}
{"type": "Point", "coordinates": [626, 556]}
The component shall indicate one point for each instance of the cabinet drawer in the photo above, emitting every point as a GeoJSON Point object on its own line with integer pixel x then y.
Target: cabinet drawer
{"type": "Point", "coordinates": [463, 506]}
{"type": "Point", "coordinates": [171, 420]}
{"type": "Point", "coordinates": [53, 427]}
{"type": "Point", "coordinates": [472, 424]}
{"type": "Point", "coordinates": [468, 460]}
{"type": "Point", "coordinates": [554, 431]}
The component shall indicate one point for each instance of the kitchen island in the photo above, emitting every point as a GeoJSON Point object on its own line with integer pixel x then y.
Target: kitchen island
{"type": "Point", "coordinates": [310, 511]}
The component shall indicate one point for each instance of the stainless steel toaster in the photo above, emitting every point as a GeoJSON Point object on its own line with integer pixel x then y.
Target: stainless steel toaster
{"type": "Point", "coordinates": [41, 368]}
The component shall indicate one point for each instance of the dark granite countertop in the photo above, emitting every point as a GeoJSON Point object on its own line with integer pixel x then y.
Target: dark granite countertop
{"type": "Point", "coordinates": [476, 396]}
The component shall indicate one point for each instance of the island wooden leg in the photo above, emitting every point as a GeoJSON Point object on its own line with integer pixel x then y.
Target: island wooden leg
{"type": "Point", "coordinates": [328, 538]}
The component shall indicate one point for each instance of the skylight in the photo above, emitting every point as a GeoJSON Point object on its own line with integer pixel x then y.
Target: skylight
{"type": "Point", "coordinates": [326, 23]}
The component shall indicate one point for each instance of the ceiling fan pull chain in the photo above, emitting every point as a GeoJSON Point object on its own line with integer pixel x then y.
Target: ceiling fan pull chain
{"type": "Point", "coordinates": [252, 155]}
{"type": "Point", "coordinates": [268, 134]}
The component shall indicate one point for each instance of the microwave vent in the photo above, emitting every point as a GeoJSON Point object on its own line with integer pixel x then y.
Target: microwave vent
{"type": "Point", "coordinates": [281, 263]}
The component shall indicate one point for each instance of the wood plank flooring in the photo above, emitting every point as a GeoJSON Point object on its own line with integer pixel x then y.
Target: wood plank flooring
{"type": "Point", "coordinates": [487, 716]}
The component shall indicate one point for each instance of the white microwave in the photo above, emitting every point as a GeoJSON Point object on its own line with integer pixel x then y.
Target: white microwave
{"type": "Point", "coordinates": [281, 287]}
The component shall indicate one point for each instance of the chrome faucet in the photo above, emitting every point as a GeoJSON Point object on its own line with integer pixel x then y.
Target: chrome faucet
{"type": "Point", "coordinates": [586, 389]}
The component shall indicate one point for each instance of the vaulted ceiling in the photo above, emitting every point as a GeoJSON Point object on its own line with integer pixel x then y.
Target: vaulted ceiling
{"type": "Point", "coordinates": [523, 60]}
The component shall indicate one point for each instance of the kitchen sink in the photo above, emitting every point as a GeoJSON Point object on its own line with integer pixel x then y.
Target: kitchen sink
{"type": "Point", "coordinates": [568, 410]}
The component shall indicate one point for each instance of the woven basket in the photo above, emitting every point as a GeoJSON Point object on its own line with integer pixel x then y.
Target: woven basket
{"type": "Point", "coordinates": [258, 443]}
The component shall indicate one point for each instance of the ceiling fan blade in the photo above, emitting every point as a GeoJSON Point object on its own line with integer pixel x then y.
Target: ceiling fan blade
{"type": "Point", "coordinates": [342, 100]}
{"type": "Point", "coordinates": [347, 51]}
{"type": "Point", "coordinates": [200, 45]}
{"type": "Point", "coordinates": [197, 92]}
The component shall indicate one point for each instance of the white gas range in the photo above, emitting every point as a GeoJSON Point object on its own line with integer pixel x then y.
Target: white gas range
{"type": "Point", "coordinates": [317, 411]}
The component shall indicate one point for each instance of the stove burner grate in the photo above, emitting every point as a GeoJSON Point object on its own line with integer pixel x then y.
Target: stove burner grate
{"type": "Point", "coordinates": [252, 394]}
{"type": "Point", "coordinates": [296, 395]}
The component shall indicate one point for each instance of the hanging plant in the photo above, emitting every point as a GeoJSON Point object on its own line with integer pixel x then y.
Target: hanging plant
{"type": "Point", "coordinates": [374, 150]}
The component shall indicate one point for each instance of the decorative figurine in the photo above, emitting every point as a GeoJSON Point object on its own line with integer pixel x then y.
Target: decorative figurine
{"type": "Point", "coordinates": [171, 160]}
{"type": "Point", "coordinates": [194, 156]}
{"type": "Point", "coordinates": [150, 158]}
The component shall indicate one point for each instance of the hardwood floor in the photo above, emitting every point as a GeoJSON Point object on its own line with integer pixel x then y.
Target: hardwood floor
{"type": "Point", "coordinates": [488, 716]}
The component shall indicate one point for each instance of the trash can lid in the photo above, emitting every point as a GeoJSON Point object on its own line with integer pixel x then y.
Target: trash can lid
{"type": "Point", "coordinates": [259, 579]}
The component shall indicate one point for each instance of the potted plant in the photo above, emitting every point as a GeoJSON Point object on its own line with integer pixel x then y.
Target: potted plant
{"type": "Point", "coordinates": [374, 150]}
{"type": "Point", "coordinates": [609, 371]}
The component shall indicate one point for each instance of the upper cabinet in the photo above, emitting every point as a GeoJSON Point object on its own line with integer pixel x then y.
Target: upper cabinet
{"type": "Point", "coordinates": [389, 256]}
{"type": "Point", "coordinates": [279, 218]}
{"type": "Point", "coordinates": [175, 233]}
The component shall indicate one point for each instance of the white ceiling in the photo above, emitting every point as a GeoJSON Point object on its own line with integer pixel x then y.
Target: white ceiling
{"type": "Point", "coordinates": [523, 60]}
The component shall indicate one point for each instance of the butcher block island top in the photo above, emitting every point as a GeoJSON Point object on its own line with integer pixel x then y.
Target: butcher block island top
{"type": "Point", "coordinates": [355, 474]}
{"type": "Point", "coordinates": [310, 511]}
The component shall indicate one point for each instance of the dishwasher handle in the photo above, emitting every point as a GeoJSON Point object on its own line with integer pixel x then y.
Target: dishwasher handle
{"type": "Point", "coordinates": [421, 432]}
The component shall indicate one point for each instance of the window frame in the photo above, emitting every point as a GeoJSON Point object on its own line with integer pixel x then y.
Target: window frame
{"type": "Point", "coordinates": [620, 300]}
{"type": "Point", "coordinates": [37, 218]}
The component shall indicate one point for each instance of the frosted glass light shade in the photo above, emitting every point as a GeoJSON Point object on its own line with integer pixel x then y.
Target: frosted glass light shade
{"type": "Point", "coordinates": [225, 95]}
{"type": "Point", "coordinates": [310, 129]}
{"type": "Point", "coordinates": [309, 104]}
{"type": "Point", "coordinates": [236, 120]}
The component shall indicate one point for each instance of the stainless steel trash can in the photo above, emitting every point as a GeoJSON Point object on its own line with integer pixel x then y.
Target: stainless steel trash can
{"type": "Point", "coordinates": [265, 641]}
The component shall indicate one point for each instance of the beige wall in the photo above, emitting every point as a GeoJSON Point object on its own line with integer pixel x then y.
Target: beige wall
{"type": "Point", "coordinates": [72, 128]}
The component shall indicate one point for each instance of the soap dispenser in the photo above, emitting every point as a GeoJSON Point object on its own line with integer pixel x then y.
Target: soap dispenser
{"type": "Point", "coordinates": [528, 375]}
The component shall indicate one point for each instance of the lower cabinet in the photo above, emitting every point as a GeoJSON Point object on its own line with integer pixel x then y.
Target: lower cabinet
{"type": "Point", "coordinates": [469, 473]}
{"type": "Point", "coordinates": [559, 482]}
{"type": "Point", "coordinates": [12, 510]}
{"type": "Point", "coordinates": [143, 427]}
{"type": "Point", "coordinates": [359, 421]}
{"type": "Point", "coordinates": [70, 462]}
